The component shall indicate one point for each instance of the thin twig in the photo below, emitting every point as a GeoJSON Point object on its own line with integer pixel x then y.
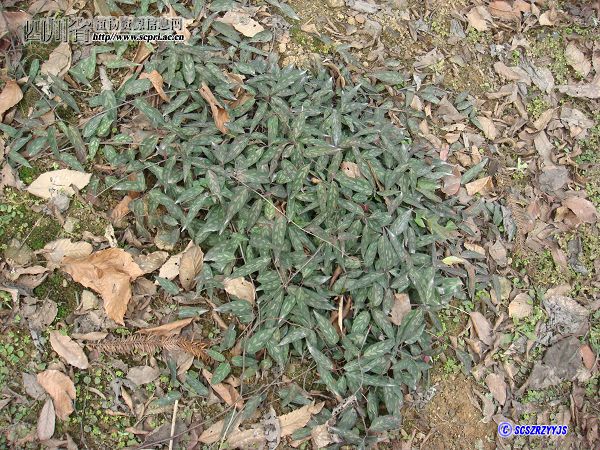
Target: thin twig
{"type": "Point", "coordinates": [175, 407]}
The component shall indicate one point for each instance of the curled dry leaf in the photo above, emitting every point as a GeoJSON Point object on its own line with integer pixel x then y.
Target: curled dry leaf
{"type": "Point", "coordinates": [120, 211]}
{"type": "Point", "coordinates": [46, 421]}
{"type": "Point", "coordinates": [58, 62]}
{"type": "Point", "coordinates": [240, 288]}
{"type": "Point", "coordinates": [480, 186]}
{"type": "Point", "coordinates": [350, 169]}
{"type": "Point", "coordinates": [297, 419]}
{"type": "Point", "coordinates": [400, 308]}
{"type": "Point", "coordinates": [61, 389]}
{"type": "Point", "coordinates": [190, 265]}
{"type": "Point", "coordinates": [220, 115]}
{"type": "Point", "coordinates": [521, 306]}
{"type": "Point", "coordinates": [157, 81]}
{"type": "Point", "coordinates": [68, 349]}
{"type": "Point", "coordinates": [10, 96]}
{"type": "Point", "coordinates": [227, 392]}
{"type": "Point", "coordinates": [108, 272]}
{"type": "Point", "coordinates": [56, 251]}
{"type": "Point", "coordinates": [582, 208]}
{"type": "Point", "coordinates": [242, 22]}
{"type": "Point", "coordinates": [168, 329]}
{"type": "Point", "coordinates": [57, 181]}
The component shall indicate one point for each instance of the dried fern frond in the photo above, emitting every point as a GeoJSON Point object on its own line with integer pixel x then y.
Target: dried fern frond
{"type": "Point", "coordinates": [150, 344]}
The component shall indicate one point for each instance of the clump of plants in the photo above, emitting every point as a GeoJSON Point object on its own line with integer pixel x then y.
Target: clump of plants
{"type": "Point", "coordinates": [303, 188]}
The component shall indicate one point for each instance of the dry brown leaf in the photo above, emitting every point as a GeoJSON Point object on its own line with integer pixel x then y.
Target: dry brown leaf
{"type": "Point", "coordinates": [46, 421]}
{"type": "Point", "coordinates": [320, 436]}
{"type": "Point", "coordinates": [168, 329]}
{"type": "Point", "coordinates": [68, 349]}
{"type": "Point", "coordinates": [240, 288]}
{"type": "Point", "coordinates": [589, 358]}
{"type": "Point", "coordinates": [186, 23]}
{"type": "Point", "coordinates": [488, 127]}
{"type": "Point", "coordinates": [582, 208]}
{"type": "Point", "coordinates": [452, 182]}
{"type": "Point", "coordinates": [170, 269]}
{"type": "Point", "coordinates": [350, 169]}
{"type": "Point", "coordinates": [220, 115]}
{"type": "Point", "coordinates": [10, 96]}
{"type": "Point", "coordinates": [478, 18]}
{"type": "Point", "coordinates": [227, 392]}
{"type": "Point", "coordinates": [247, 439]}
{"type": "Point", "coordinates": [212, 433]}
{"type": "Point", "coordinates": [56, 251]}
{"type": "Point", "coordinates": [589, 90]}
{"type": "Point", "coordinates": [32, 387]}
{"type": "Point", "coordinates": [482, 327]}
{"type": "Point", "coordinates": [512, 73]}
{"type": "Point", "coordinates": [548, 18]}
{"type": "Point", "coordinates": [141, 375]}
{"type": "Point", "coordinates": [400, 308]}
{"type": "Point", "coordinates": [157, 81]}
{"type": "Point", "coordinates": [190, 265]}
{"type": "Point", "coordinates": [503, 10]}
{"type": "Point", "coordinates": [520, 307]}
{"type": "Point", "coordinates": [12, 21]}
{"type": "Point", "coordinates": [108, 272]}
{"type": "Point", "coordinates": [149, 263]}
{"type": "Point", "coordinates": [120, 211]}
{"type": "Point", "coordinates": [497, 387]}
{"type": "Point", "coordinates": [242, 22]}
{"type": "Point", "coordinates": [61, 389]}
{"type": "Point", "coordinates": [58, 62]}
{"type": "Point", "coordinates": [56, 181]}
{"type": "Point", "coordinates": [481, 186]}
{"type": "Point", "coordinates": [297, 419]}
{"type": "Point", "coordinates": [577, 60]}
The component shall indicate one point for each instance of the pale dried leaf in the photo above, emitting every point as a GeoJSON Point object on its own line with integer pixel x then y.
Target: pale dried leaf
{"type": "Point", "coordinates": [12, 21]}
{"type": "Point", "coordinates": [170, 269]}
{"type": "Point", "coordinates": [157, 81]}
{"type": "Point", "coordinates": [350, 169]}
{"type": "Point", "coordinates": [61, 389]}
{"type": "Point", "coordinates": [211, 434]}
{"type": "Point", "coordinates": [497, 387]}
{"type": "Point", "coordinates": [320, 436]}
{"type": "Point", "coordinates": [478, 18]}
{"type": "Point", "coordinates": [589, 90]}
{"type": "Point", "coordinates": [141, 375]}
{"type": "Point", "coordinates": [58, 181]}
{"type": "Point", "coordinates": [503, 10]}
{"type": "Point", "coordinates": [68, 349]}
{"type": "Point", "coordinates": [253, 438]}
{"type": "Point", "coordinates": [520, 307]}
{"type": "Point", "coordinates": [548, 18]}
{"type": "Point", "coordinates": [227, 392]}
{"type": "Point", "coordinates": [168, 329]}
{"type": "Point", "coordinates": [582, 208]}
{"type": "Point", "coordinates": [58, 62]}
{"type": "Point", "coordinates": [577, 60]}
{"type": "Point", "coordinates": [56, 251]}
{"type": "Point", "coordinates": [151, 262]}
{"type": "Point", "coordinates": [242, 22]}
{"type": "Point", "coordinates": [120, 211]}
{"type": "Point", "coordinates": [482, 327]}
{"type": "Point", "coordinates": [108, 272]}
{"type": "Point", "coordinates": [32, 387]}
{"type": "Point", "coordinates": [190, 266]}
{"type": "Point", "coordinates": [46, 421]}
{"type": "Point", "coordinates": [10, 96]}
{"type": "Point", "coordinates": [488, 127]}
{"type": "Point", "coordinates": [297, 419]}
{"type": "Point", "coordinates": [240, 288]}
{"type": "Point", "coordinates": [400, 308]}
{"type": "Point", "coordinates": [512, 73]}
{"type": "Point", "coordinates": [480, 186]}
{"type": "Point", "coordinates": [220, 115]}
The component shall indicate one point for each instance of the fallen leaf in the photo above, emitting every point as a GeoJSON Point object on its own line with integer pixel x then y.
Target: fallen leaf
{"type": "Point", "coordinates": [152, 261]}
{"type": "Point", "coordinates": [512, 73]}
{"type": "Point", "coordinates": [220, 115]}
{"type": "Point", "coordinates": [58, 62]}
{"type": "Point", "coordinates": [12, 21]}
{"type": "Point", "coordinates": [451, 260]}
{"type": "Point", "coordinates": [46, 421]}
{"type": "Point", "coordinates": [544, 148]}
{"type": "Point", "coordinates": [350, 169]}
{"type": "Point", "coordinates": [68, 349]}
{"type": "Point", "coordinates": [320, 436]}
{"type": "Point", "coordinates": [497, 387]}
{"type": "Point", "coordinates": [168, 329]}
{"type": "Point", "coordinates": [32, 387]}
{"type": "Point", "coordinates": [10, 96]}
{"type": "Point", "coordinates": [120, 211]}
{"type": "Point", "coordinates": [57, 181]}
{"type": "Point", "coordinates": [61, 389]}
{"type": "Point", "coordinates": [400, 308]}
{"type": "Point", "coordinates": [498, 253]}
{"type": "Point", "coordinates": [582, 208]}
{"type": "Point", "coordinates": [227, 392]}
{"type": "Point", "coordinates": [186, 22]}
{"type": "Point", "coordinates": [56, 251]}
{"type": "Point", "coordinates": [170, 269]}
{"type": "Point", "coordinates": [297, 419]}
{"type": "Point", "coordinates": [589, 90]}
{"type": "Point", "coordinates": [488, 127]}
{"type": "Point", "coordinates": [190, 265]}
{"type": "Point", "coordinates": [478, 17]}
{"type": "Point", "coordinates": [481, 186]}
{"type": "Point", "coordinates": [577, 60]}
{"type": "Point", "coordinates": [108, 272]}
{"type": "Point", "coordinates": [503, 10]}
{"type": "Point", "coordinates": [548, 18]}
{"type": "Point", "coordinates": [589, 358]}
{"type": "Point", "coordinates": [240, 288]}
{"type": "Point", "coordinates": [482, 327]}
{"type": "Point", "coordinates": [242, 22]}
{"type": "Point", "coordinates": [157, 81]}
{"type": "Point", "coordinates": [141, 375]}
{"type": "Point", "coordinates": [9, 178]}
{"type": "Point", "coordinates": [520, 307]}
{"type": "Point", "coordinates": [212, 434]}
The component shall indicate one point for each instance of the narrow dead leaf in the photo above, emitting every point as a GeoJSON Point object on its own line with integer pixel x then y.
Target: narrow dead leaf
{"type": "Point", "coordinates": [108, 272]}
{"type": "Point", "coordinates": [240, 288]}
{"type": "Point", "coordinates": [497, 387]}
{"type": "Point", "coordinates": [220, 115]}
{"type": "Point", "coordinates": [168, 329]}
{"type": "Point", "coordinates": [577, 60]}
{"type": "Point", "coordinates": [482, 327]}
{"type": "Point", "coordinates": [58, 62]}
{"type": "Point", "coordinates": [488, 127]}
{"type": "Point", "coordinates": [190, 265]}
{"type": "Point", "coordinates": [297, 419]}
{"type": "Point", "coordinates": [68, 349]}
{"type": "Point", "coordinates": [46, 421]}
{"type": "Point", "coordinates": [61, 389]}
{"type": "Point", "coordinates": [227, 392]}
{"type": "Point", "coordinates": [478, 18]}
{"type": "Point", "coordinates": [157, 81]}
{"type": "Point", "coordinates": [10, 96]}
{"type": "Point", "coordinates": [400, 308]}
{"type": "Point", "coordinates": [56, 181]}
{"type": "Point", "coordinates": [120, 211]}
